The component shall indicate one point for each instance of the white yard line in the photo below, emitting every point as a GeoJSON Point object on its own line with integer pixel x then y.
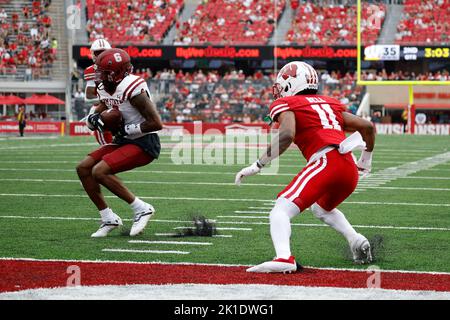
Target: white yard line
{"type": "Point", "coordinates": [172, 242]}
{"type": "Point", "coordinates": [146, 251]}
{"type": "Point", "coordinates": [40, 195]}
{"type": "Point", "coordinates": [326, 226]}
{"type": "Point", "coordinates": [366, 185]}
{"type": "Point", "coordinates": [382, 177]}
{"type": "Point", "coordinates": [231, 222]}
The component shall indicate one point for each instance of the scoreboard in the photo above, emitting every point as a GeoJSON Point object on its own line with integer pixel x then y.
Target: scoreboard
{"type": "Point", "coordinates": [388, 52]}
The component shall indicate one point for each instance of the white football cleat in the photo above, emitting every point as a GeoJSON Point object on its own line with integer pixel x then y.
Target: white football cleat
{"type": "Point", "coordinates": [276, 266]}
{"type": "Point", "coordinates": [107, 226]}
{"type": "Point", "coordinates": [141, 219]}
{"type": "Point", "coordinates": [360, 248]}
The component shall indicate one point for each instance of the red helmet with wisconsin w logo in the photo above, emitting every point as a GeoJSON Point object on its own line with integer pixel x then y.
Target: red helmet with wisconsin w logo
{"type": "Point", "coordinates": [111, 67]}
{"type": "Point", "coordinates": [295, 77]}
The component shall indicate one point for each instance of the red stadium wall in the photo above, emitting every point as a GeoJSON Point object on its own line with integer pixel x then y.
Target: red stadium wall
{"type": "Point", "coordinates": [80, 129]}
{"type": "Point", "coordinates": [34, 127]}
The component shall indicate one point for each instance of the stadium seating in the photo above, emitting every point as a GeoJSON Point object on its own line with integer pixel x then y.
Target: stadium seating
{"type": "Point", "coordinates": [234, 96]}
{"type": "Point", "coordinates": [424, 22]}
{"type": "Point", "coordinates": [126, 22]}
{"type": "Point", "coordinates": [27, 50]}
{"type": "Point", "coordinates": [230, 22]}
{"type": "Point", "coordinates": [334, 24]}
{"type": "Point", "coordinates": [442, 75]}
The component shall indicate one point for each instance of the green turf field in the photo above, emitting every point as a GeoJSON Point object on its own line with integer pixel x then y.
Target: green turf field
{"type": "Point", "coordinates": [44, 212]}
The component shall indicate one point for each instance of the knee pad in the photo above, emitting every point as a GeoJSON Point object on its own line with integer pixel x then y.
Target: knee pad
{"type": "Point", "coordinates": [286, 207]}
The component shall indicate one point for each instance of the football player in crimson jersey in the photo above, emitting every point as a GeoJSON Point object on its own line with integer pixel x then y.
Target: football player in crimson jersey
{"type": "Point", "coordinates": [135, 144]}
{"type": "Point", "coordinates": [316, 124]}
{"type": "Point", "coordinates": [90, 96]}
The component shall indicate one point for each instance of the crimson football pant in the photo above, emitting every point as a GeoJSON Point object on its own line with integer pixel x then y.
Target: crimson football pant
{"type": "Point", "coordinates": [121, 157]}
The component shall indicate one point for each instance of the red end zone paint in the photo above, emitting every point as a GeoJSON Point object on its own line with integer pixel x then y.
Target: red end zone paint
{"type": "Point", "coordinates": [21, 274]}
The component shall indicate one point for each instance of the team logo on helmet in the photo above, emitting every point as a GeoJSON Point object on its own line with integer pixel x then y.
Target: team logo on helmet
{"type": "Point", "coordinates": [289, 70]}
{"type": "Point", "coordinates": [295, 77]}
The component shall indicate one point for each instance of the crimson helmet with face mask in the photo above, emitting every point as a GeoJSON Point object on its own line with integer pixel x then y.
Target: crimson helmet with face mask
{"type": "Point", "coordinates": [111, 67]}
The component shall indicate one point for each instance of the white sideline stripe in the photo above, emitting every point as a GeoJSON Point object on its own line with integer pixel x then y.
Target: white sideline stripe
{"type": "Point", "coordinates": [215, 199]}
{"type": "Point", "coordinates": [175, 234]}
{"type": "Point", "coordinates": [231, 222]}
{"type": "Point", "coordinates": [224, 228]}
{"type": "Point", "coordinates": [365, 185]}
{"type": "Point", "coordinates": [187, 263]}
{"type": "Point", "coordinates": [147, 251]}
{"type": "Point", "coordinates": [261, 208]}
{"type": "Point", "coordinates": [192, 291]}
{"type": "Point", "coordinates": [172, 242]}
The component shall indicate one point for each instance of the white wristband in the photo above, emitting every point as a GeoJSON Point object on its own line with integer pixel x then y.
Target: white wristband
{"type": "Point", "coordinates": [132, 129]}
{"type": "Point", "coordinates": [366, 156]}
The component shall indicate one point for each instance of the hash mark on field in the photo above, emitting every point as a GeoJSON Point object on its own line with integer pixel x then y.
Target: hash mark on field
{"type": "Point", "coordinates": [266, 212]}
{"type": "Point", "coordinates": [176, 234]}
{"type": "Point", "coordinates": [393, 173]}
{"type": "Point", "coordinates": [147, 251]}
{"type": "Point", "coordinates": [245, 217]}
{"type": "Point", "coordinates": [235, 229]}
{"type": "Point", "coordinates": [172, 242]}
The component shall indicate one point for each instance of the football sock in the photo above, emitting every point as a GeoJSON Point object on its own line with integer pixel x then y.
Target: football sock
{"type": "Point", "coordinates": [335, 219]}
{"type": "Point", "coordinates": [107, 214]}
{"type": "Point", "coordinates": [280, 226]}
{"type": "Point", "coordinates": [138, 205]}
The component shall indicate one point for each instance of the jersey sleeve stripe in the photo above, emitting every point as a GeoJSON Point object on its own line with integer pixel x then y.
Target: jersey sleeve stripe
{"type": "Point", "coordinates": [278, 106]}
{"type": "Point", "coordinates": [273, 113]}
{"type": "Point", "coordinates": [135, 86]}
{"type": "Point", "coordinates": [125, 93]}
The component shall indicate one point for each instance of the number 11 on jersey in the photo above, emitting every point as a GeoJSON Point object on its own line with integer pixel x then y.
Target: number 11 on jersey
{"type": "Point", "coordinates": [327, 116]}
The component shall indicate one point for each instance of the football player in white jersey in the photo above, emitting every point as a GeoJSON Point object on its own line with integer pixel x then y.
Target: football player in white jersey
{"type": "Point", "coordinates": [135, 144]}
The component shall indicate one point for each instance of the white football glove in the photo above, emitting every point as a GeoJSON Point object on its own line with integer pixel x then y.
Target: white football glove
{"type": "Point", "coordinates": [251, 170]}
{"type": "Point", "coordinates": [364, 164]}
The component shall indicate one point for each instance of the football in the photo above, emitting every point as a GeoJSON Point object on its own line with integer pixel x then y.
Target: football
{"type": "Point", "coordinates": [112, 118]}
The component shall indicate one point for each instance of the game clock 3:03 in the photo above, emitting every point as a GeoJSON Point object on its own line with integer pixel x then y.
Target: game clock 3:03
{"type": "Point", "coordinates": [437, 52]}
